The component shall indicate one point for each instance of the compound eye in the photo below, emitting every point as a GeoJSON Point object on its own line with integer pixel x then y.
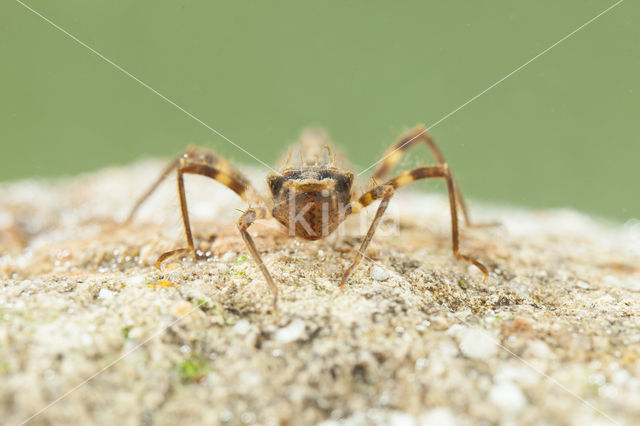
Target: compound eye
{"type": "Point", "coordinates": [345, 182]}
{"type": "Point", "coordinates": [275, 183]}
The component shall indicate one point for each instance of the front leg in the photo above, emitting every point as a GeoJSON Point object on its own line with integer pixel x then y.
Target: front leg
{"type": "Point", "coordinates": [385, 192]}
{"type": "Point", "coordinates": [246, 220]}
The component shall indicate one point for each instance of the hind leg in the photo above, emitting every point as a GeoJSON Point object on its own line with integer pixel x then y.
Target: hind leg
{"type": "Point", "coordinates": [410, 139]}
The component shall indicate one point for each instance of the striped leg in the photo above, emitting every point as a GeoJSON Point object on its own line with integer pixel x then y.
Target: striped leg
{"type": "Point", "coordinates": [215, 168]}
{"type": "Point", "coordinates": [202, 156]}
{"type": "Point", "coordinates": [401, 146]}
{"type": "Point", "coordinates": [385, 192]}
{"type": "Point", "coordinates": [201, 162]}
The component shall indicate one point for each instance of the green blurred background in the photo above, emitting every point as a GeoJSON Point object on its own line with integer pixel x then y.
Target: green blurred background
{"type": "Point", "coordinates": [560, 132]}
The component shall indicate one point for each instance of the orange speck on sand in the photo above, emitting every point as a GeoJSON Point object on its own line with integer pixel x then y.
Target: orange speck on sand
{"type": "Point", "coordinates": [161, 284]}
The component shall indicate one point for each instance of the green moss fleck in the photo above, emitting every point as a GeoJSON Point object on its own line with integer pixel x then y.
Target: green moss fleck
{"type": "Point", "coordinates": [193, 369]}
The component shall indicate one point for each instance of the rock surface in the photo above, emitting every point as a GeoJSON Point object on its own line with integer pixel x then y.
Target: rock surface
{"type": "Point", "coordinates": [91, 332]}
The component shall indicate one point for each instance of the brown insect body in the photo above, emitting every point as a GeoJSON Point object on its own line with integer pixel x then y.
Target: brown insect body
{"type": "Point", "coordinates": [311, 195]}
{"type": "Point", "coordinates": [311, 201]}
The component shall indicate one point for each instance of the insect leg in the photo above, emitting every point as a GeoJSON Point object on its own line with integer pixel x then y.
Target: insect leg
{"type": "Point", "coordinates": [412, 138]}
{"type": "Point", "coordinates": [153, 187]}
{"type": "Point", "coordinates": [202, 162]}
{"type": "Point", "coordinates": [202, 156]}
{"type": "Point", "coordinates": [385, 192]}
{"type": "Point", "coordinates": [228, 177]}
{"type": "Point", "coordinates": [245, 221]}
{"type": "Point", "coordinates": [441, 171]}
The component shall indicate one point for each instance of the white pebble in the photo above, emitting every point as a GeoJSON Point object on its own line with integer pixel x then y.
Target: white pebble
{"type": "Point", "coordinates": [292, 332]}
{"type": "Point", "coordinates": [86, 339]}
{"type": "Point", "coordinates": [507, 397]}
{"type": "Point", "coordinates": [440, 416]}
{"type": "Point", "coordinates": [399, 418]}
{"type": "Point", "coordinates": [540, 349]}
{"type": "Point", "coordinates": [105, 294]}
{"type": "Point", "coordinates": [250, 378]}
{"type": "Point", "coordinates": [228, 257]}
{"type": "Point", "coordinates": [520, 289]}
{"type": "Point", "coordinates": [607, 299]}
{"type": "Point", "coordinates": [379, 274]}
{"type": "Point", "coordinates": [477, 343]}
{"type": "Point", "coordinates": [583, 285]}
{"type": "Point", "coordinates": [447, 349]}
{"type": "Point", "coordinates": [456, 330]}
{"type": "Point", "coordinates": [136, 333]}
{"type": "Point", "coordinates": [620, 377]}
{"type": "Point", "coordinates": [518, 373]}
{"type": "Point", "coordinates": [241, 327]}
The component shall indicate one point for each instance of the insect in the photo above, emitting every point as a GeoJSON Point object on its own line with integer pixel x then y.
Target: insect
{"type": "Point", "coordinates": [311, 195]}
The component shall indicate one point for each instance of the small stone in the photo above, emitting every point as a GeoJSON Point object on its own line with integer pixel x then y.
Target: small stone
{"type": "Point", "coordinates": [477, 343]}
{"type": "Point", "coordinates": [607, 299]}
{"type": "Point", "coordinates": [250, 378]}
{"type": "Point", "coordinates": [507, 397]}
{"type": "Point", "coordinates": [583, 285]}
{"type": "Point", "coordinates": [292, 332]}
{"type": "Point", "coordinates": [228, 257]}
{"type": "Point", "coordinates": [608, 391]}
{"type": "Point", "coordinates": [620, 377]}
{"type": "Point", "coordinates": [241, 328]}
{"type": "Point", "coordinates": [448, 349]}
{"type": "Point", "coordinates": [136, 333]}
{"type": "Point", "coordinates": [86, 339]}
{"type": "Point", "coordinates": [399, 418]}
{"type": "Point", "coordinates": [540, 349]}
{"type": "Point", "coordinates": [379, 274]}
{"type": "Point", "coordinates": [517, 373]}
{"type": "Point", "coordinates": [455, 330]}
{"type": "Point", "coordinates": [520, 289]}
{"type": "Point", "coordinates": [106, 294]}
{"type": "Point", "coordinates": [440, 416]}
{"type": "Point", "coordinates": [597, 379]}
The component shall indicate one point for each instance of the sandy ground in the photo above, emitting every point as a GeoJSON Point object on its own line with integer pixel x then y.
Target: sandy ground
{"type": "Point", "coordinates": [92, 333]}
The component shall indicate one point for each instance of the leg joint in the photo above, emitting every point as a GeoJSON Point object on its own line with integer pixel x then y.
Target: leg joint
{"type": "Point", "coordinates": [247, 219]}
